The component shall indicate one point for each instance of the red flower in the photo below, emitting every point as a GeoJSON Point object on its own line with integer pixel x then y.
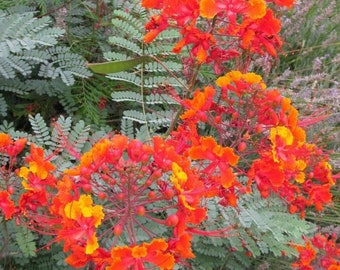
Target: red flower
{"type": "Point", "coordinates": [37, 175]}
{"type": "Point", "coordinates": [320, 195]}
{"type": "Point", "coordinates": [10, 147]}
{"type": "Point", "coordinates": [135, 256]}
{"type": "Point", "coordinates": [181, 246]}
{"type": "Point", "coordinates": [268, 176]}
{"type": "Point", "coordinates": [156, 4]}
{"type": "Point", "coordinates": [156, 25]}
{"type": "Point", "coordinates": [6, 205]}
{"type": "Point", "coordinates": [306, 254]}
{"type": "Point", "coordinates": [283, 3]}
{"type": "Point", "coordinates": [199, 105]}
{"type": "Point", "coordinates": [325, 249]}
{"type": "Point", "coordinates": [32, 199]}
{"type": "Point", "coordinates": [5, 140]}
{"type": "Point", "coordinates": [201, 42]}
{"type": "Point", "coordinates": [182, 11]}
{"type": "Point", "coordinates": [259, 33]}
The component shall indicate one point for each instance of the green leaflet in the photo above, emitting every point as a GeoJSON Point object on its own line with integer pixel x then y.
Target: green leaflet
{"type": "Point", "coordinates": [117, 66]}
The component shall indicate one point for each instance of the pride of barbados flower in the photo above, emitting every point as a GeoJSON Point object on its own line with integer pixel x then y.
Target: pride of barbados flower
{"type": "Point", "coordinates": [251, 23]}
{"type": "Point", "coordinates": [82, 217]}
{"type": "Point", "coordinates": [155, 253]}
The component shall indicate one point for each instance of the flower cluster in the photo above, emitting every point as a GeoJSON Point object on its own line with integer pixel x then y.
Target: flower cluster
{"type": "Point", "coordinates": [9, 151]}
{"type": "Point", "coordinates": [140, 184]}
{"type": "Point", "coordinates": [320, 251]}
{"type": "Point", "coordinates": [204, 25]}
{"type": "Point", "coordinates": [248, 115]}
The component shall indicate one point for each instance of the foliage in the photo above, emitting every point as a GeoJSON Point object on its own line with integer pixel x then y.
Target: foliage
{"type": "Point", "coordinates": [65, 142]}
{"type": "Point", "coordinates": [156, 108]}
{"type": "Point", "coordinates": [260, 229]}
{"type": "Point", "coordinates": [30, 54]}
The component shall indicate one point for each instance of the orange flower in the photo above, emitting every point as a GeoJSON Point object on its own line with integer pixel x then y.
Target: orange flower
{"type": "Point", "coordinates": [182, 246]}
{"type": "Point", "coordinates": [65, 187]}
{"type": "Point", "coordinates": [156, 25]}
{"type": "Point", "coordinates": [260, 35]}
{"type": "Point", "coordinates": [37, 165]}
{"type": "Point", "coordinates": [306, 254]}
{"type": "Point", "coordinates": [228, 78]}
{"type": "Point", "coordinates": [190, 192]}
{"type": "Point", "coordinates": [201, 41]}
{"type": "Point", "coordinates": [320, 195]}
{"type": "Point", "coordinates": [238, 79]}
{"type": "Point", "coordinates": [253, 9]}
{"type": "Point", "coordinates": [6, 205]}
{"type": "Point", "coordinates": [78, 257]}
{"type": "Point", "coordinates": [280, 137]}
{"type": "Point", "coordinates": [209, 149]}
{"type": "Point", "coordinates": [289, 113]}
{"type": "Point", "coordinates": [283, 3]}
{"type": "Point", "coordinates": [199, 105]}
{"type": "Point", "coordinates": [86, 217]}
{"type": "Point", "coordinates": [5, 139]}
{"type": "Point", "coordinates": [323, 172]}
{"type": "Point", "coordinates": [179, 177]}
{"type": "Point", "coordinates": [83, 208]}
{"type": "Point", "coordinates": [139, 252]}
{"type": "Point", "coordinates": [184, 12]}
{"type": "Point", "coordinates": [256, 9]}
{"type": "Point", "coordinates": [267, 175]}
{"type": "Point", "coordinates": [156, 4]}
{"type": "Point", "coordinates": [208, 9]}
{"type": "Point", "coordinates": [221, 158]}
{"type": "Point", "coordinates": [155, 253]}
{"type": "Point", "coordinates": [201, 55]}
{"type": "Point", "coordinates": [10, 147]}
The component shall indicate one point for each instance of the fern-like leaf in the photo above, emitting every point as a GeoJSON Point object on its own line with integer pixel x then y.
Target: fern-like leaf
{"type": "Point", "coordinates": [60, 132]}
{"type": "Point", "coordinates": [3, 106]}
{"type": "Point", "coordinates": [135, 116]}
{"type": "Point", "coordinates": [78, 137]}
{"type": "Point", "coordinates": [40, 129]}
{"type": "Point", "coordinates": [160, 99]}
{"type": "Point", "coordinates": [126, 128]}
{"type": "Point", "coordinates": [26, 241]}
{"type": "Point", "coordinates": [127, 96]}
{"type": "Point", "coordinates": [126, 44]}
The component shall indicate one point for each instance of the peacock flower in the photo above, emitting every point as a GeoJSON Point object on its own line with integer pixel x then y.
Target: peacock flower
{"type": "Point", "coordinates": [155, 253]}
{"type": "Point", "coordinates": [209, 149]}
{"type": "Point", "coordinates": [236, 77]}
{"type": "Point", "coordinates": [156, 4]}
{"type": "Point", "coordinates": [38, 165]}
{"type": "Point", "coordinates": [85, 218]}
{"type": "Point", "coordinates": [83, 208]}
{"type": "Point", "coordinates": [256, 9]}
{"type": "Point", "coordinates": [179, 179]}
{"type": "Point", "coordinates": [6, 205]}
{"type": "Point", "coordinates": [208, 9]}
{"type": "Point", "coordinates": [199, 105]}
{"type": "Point", "coordinates": [323, 172]}
{"type": "Point", "coordinates": [280, 137]}
{"type": "Point", "coordinates": [283, 3]}
{"type": "Point", "coordinates": [5, 140]}
{"type": "Point", "coordinates": [306, 254]}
